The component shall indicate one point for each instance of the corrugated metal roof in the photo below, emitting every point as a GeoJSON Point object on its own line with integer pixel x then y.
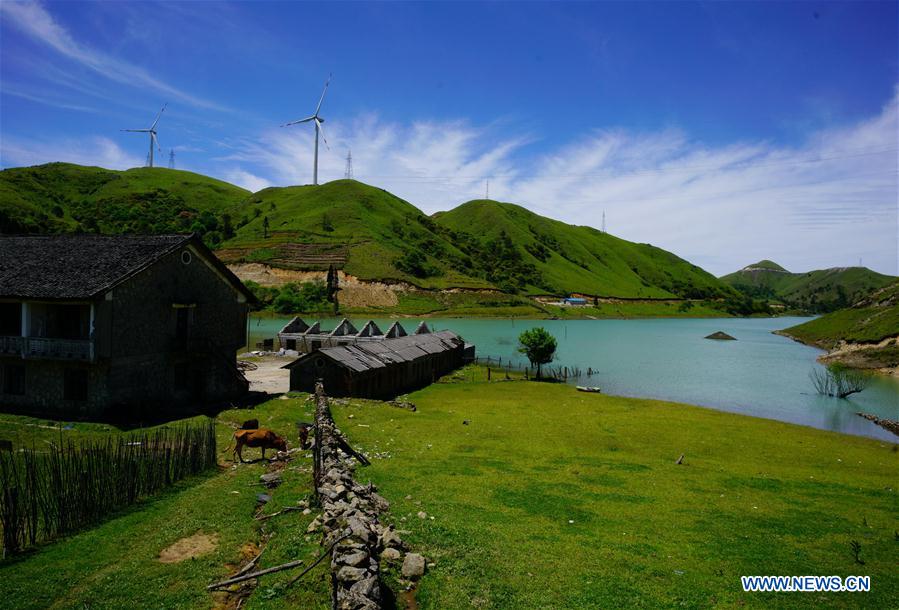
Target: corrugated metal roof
{"type": "Point", "coordinates": [371, 355]}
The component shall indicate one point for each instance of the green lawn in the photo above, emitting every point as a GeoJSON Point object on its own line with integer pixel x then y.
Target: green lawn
{"type": "Point", "coordinates": [115, 564]}
{"type": "Point", "coordinates": [555, 498]}
{"type": "Point", "coordinates": [548, 498]}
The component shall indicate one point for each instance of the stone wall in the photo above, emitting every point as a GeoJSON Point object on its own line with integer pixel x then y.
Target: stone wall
{"type": "Point", "coordinates": [350, 514]}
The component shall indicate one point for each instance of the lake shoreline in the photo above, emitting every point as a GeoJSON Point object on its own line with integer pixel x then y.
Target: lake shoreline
{"type": "Point", "coordinates": [863, 356]}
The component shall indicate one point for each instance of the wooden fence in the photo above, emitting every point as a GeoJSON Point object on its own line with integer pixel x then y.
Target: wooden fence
{"type": "Point", "coordinates": [47, 494]}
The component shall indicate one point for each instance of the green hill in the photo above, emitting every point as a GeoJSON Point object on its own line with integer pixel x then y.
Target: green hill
{"type": "Point", "coordinates": [553, 257]}
{"type": "Point", "coordinates": [365, 230]}
{"type": "Point", "coordinates": [818, 291]}
{"type": "Point", "coordinates": [870, 320]}
{"type": "Point", "coordinates": [858, 335]}
{"type": "Point", "coordinates": [62, 197]}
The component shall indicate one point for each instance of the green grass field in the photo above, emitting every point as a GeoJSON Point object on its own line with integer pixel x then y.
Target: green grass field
{"type": "Point", "coordinates": [554, 498]}
{"type": "Point", "coordinates": [547, 498]}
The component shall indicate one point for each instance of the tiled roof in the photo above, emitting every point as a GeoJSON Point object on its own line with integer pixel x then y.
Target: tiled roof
{"type": "Point", "coordinates": [85, 266]}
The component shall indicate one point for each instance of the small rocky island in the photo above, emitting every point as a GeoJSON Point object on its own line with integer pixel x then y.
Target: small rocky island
{"type": "Point", "coordinates": [721, 336]}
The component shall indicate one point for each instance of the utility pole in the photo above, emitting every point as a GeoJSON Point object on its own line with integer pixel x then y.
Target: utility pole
{"type": "Point", "coordinates": [348, 173]}
{"type": "Point", "coordinates": [172, 158]}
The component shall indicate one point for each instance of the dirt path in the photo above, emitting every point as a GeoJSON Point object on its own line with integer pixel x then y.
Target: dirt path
{"type": "Point", "coordinates": [269, 377]}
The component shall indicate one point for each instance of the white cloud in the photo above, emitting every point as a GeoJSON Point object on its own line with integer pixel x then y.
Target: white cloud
{"type": "Point", "coordinates": [99, 151]}
{"type": "Point", "coordinates": [32, 19]}
{"type": "Point", "coordinates": [245, 179]}
{"type": "Point", "coordinates": [826, 203]}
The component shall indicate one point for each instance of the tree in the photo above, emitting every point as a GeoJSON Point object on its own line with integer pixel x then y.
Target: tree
{"type": "Point", "coordinates": [538, 345]}
{"type": "Point", "coordinates": [265, 227]}
{"type": "Point", "coordinates": [839, 381]}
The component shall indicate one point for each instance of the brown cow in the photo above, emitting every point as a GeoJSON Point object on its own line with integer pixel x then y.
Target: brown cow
{"type": "Point", "coordinates": [266, 439]}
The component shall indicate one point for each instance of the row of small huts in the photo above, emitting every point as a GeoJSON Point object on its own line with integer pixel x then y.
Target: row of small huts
{"type": "Point", "coordinates": [370, 363]}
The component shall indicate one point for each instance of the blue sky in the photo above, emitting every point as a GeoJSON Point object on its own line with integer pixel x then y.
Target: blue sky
{"type": "Point", "coordinates": [725, 132]}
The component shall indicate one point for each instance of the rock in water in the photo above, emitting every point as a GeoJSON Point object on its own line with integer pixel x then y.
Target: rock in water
{"type": "Point", "coordinates": [413, 565]}
{"type": "Point", "coordinates": [721, 336]}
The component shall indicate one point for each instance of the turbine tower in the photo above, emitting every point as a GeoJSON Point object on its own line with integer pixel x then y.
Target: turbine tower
{"type": "Point", "coordinates": [319, 131]}
{"type": "Point", "coordinates": [152, 132]}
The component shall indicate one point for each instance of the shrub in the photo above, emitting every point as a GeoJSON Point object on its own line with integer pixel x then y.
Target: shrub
{"type": "Point", "coordinates": [839, 381]}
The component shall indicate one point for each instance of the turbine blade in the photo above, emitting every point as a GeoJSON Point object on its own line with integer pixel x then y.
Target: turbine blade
{"type": "Point", "coordinates": [155, 140]}
{"type": "Point", "coordinates": [153, 126]}
{"type": "Point", "coordinates": [322, 99]}
{"type": "Point", "coordinates": [321, 130]}
{"type": "Point", "coordinates": [306, 120]}
{"type": "Point", "coordinates": [136, 130]}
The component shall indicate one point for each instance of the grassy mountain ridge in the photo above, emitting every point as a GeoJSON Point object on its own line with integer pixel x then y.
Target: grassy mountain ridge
{"type": "Point", "coordinates": [818, 291]}
{"type": "Point", "coordinates": [581, 259]}
{"type": "Point", "coordinates": [63, 197]}
{"type": "Point", "coordinates": [365, 230]}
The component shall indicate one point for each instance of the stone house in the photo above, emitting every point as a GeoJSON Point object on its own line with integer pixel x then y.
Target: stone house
{"type": "Point", "coordinates": [379, 369]}
{"type": "Point", "coordinates": [97, 324]}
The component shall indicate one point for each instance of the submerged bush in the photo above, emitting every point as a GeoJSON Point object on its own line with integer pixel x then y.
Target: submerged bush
{"type": "Point", "coordinates": [839, 381]}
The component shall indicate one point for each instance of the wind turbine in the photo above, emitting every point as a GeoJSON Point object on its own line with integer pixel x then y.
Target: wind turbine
{"type": "Point", "coordinates": [319, 130]}
{"type": "Point", "coordinates": [152, 132]}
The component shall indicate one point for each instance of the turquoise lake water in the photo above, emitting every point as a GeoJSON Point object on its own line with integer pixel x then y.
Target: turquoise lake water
{"type": "Point", "coordinates": [760, 374]}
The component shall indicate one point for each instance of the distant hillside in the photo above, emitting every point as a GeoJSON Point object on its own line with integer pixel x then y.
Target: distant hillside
{"type": "Point", "coordinates": [860, 335]}
{"type": "Point", "coordinates": [62, 197]}
{"type": "Point", "coordinates": [366, 231]}
{"type": "Point", "coordinates": [819, 291]}
{"type": "Point", "coordinates": [554, 257]}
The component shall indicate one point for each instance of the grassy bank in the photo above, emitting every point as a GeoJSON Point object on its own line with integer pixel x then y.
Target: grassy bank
{"type": "Point", "coordinates": [546, 498]}
{"type": "Point", "coordinates": [554, 498]}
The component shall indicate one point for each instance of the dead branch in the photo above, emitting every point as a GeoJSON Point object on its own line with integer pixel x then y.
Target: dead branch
{"type": "Point", "coordinates": [243, 577]}
{"type": "Point", "coordinates": [286, 509]}
{"type": "Point", "coordinates": [317, 561]}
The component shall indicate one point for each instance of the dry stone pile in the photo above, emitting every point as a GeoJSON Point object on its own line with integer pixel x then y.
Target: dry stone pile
{"type": "Point", "coordinates": [350, 517]}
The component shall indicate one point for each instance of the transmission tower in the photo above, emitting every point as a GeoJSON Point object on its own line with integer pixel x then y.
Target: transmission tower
{"type": "Point", "coordinates": [348, 173]}
{"type": "Point", "coordinates": [172, 158]}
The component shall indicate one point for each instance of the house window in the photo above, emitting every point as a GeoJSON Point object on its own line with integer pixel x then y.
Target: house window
{"type": "Point", "coordinates": [75, 384]}
{"type": "Point", "coordinates": [10, 319]}
{"type": "Point", "coordinates": [14, 379]}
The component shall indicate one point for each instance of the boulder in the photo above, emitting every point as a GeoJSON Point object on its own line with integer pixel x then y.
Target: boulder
{"type": "Point", "coordinates": [391, 554]}
{"type": "Point", "coordinates": [413, 566]}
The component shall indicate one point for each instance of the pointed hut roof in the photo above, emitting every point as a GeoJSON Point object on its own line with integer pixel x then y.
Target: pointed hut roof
{"type": "Point", "coordinates": [315, 329]}
{"type": "Point", "coordinates": [297, 325]}
{"type": "Point", "coordinates": [370, 330]}
{"type": "Point", "coordinates": [343, 329]}
{"type": "Point", "coordinates": [422, 329]}
{"type": "Point", "coordinates": [396, 331]}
